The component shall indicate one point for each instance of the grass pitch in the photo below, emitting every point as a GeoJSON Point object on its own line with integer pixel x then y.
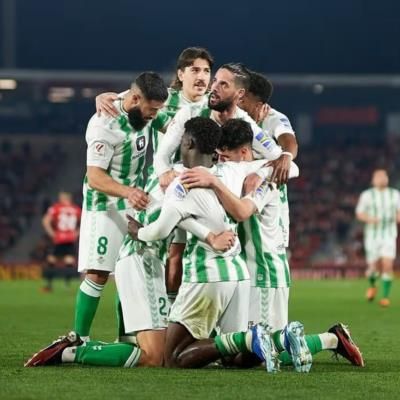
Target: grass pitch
{"type": "Point", "coordinates": [30, 319]}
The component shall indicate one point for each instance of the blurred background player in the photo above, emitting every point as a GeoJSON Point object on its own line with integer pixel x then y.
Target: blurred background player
{"type": "Point", "coordinates": [61, 223]}
{"type": "Point", "coordinates": [379, 209]}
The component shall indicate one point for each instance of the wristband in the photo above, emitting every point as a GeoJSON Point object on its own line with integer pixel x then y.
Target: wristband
{"type": "Point", "coordinates": [287, 153]}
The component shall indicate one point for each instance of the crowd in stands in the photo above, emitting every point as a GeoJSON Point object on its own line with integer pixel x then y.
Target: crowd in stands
{"type": "Point", "coordinates": [322, 200]}
{"type": "Point", "coordinates": [25, 172]}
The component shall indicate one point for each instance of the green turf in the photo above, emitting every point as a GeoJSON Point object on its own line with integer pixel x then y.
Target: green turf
{"type": "Point", "coordinates": [29, 320]}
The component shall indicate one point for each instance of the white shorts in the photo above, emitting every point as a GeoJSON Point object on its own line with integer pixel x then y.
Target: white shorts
{"type": "Point", "coordinates": [203, 307]}
{"type": "Point", "coordinates": [101, 236]}
{"type": "Point", "coordinates": [141, 288]}
{"type": "Point", "coordinates": [269, 305]}
{"type": "Point", "coordinates": [379, 248]}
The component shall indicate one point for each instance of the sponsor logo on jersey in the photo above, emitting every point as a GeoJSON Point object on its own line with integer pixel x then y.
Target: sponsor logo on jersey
{"type": "Point", "coordinates": [100, 149]}
{"type": "Point", "coordinates": [264, 139]}
{"type": "Point", "coordinates": [180, 191]}
{"type": "Point", "coordinates": [140, 143]}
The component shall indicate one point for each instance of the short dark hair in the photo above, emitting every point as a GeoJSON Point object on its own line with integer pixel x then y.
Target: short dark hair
{"type": "Point", "coordinates": [260, 86]}
{"type": "Point", "coordinates": [186, 59]}
{"type": "Point", "coordinates": [205, 132]}
{"type": "Point", "coordinates": [152, 86]}
{"type": "Point", "coordinates": [242, 76]}
{"type": "Point", "coordinates": [235, 133]}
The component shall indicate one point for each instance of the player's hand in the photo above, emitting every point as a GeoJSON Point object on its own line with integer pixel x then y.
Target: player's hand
{"type": "Point", "coordinates": [252, 183]}
{"type": "Point", "coordinates": [133, 227]}
{"type": "Point", "coordinates": [138, 198]}
{"type": "Point", "coordinates": [263, 112]}
{"type": "Point", "coordinates": [166, 178]}
{"type": "Point", "coordinates": [197, 177]}
{"type": "Point", "coordinates": [105, 106]}
{"type": "Point", "coordinates": [281, 167]}
{"type": "Point", "coordinates": [221, 242]}
{"type": "Point", "coordinates": [373, 220]}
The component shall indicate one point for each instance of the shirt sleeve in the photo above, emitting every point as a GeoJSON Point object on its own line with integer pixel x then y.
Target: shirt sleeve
{"type": "Point", "coordinates": [171, 141]}
{"type": "Point", "coordinates": [195, 227]}
{"type": "Point", "coordinates": [162, 227]}
{"type": "Point", "coordinates": [278, 124]}
{"type": "Point", "coordinates": [263, 143]}
{"type": "Point", "coordinates": [262, 195]}
{"type": "Point", "coordinates": [363, 203]}
{"type": "Point", "coordinates": [100, 148]}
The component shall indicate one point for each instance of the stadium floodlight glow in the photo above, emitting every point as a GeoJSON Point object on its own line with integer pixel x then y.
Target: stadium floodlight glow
{"type": "Point", "coordinates": [8, 84]}
{"type": "Point", "coordinates": [60, 94]}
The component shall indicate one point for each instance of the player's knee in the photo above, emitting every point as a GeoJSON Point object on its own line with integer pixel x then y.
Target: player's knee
{"type": "Point", "coordinates": [99, 277]}
{"type": "Point", "coordinates": [171, 359]}
{"type": "Point", "coordinates": [154, 360]}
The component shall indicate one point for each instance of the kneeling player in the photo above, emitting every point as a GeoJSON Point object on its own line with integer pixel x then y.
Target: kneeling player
{"type": "Point", "coordinates": [264, 252]}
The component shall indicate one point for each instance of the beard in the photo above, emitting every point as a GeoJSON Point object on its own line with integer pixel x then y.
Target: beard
{"type": "Point", "coordinates": [136, 119]}
{"type": "Point", "coordinates": [221, 105]}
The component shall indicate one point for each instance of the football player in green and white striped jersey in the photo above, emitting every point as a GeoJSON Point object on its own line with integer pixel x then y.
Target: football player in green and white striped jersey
{"type": "Point", "coordinates": [255, 103]}
{"type": "Point", "coordinates": [264, 251]}
{"type": "Point", "coordinates": [227, 89]}
{"type": "Point", "coordinates": [113, 185]}
{"type": "Point", "coordinates": [215, 286]}
{"type": "Point", "coordinates": [189, 86]}
{"type": "Point", "coordinates": [379, 209]}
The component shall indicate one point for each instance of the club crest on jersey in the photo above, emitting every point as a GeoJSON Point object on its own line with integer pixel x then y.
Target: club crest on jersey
{"type": "Point", "coordinates": [180, 191]}
{"type": "Point", "coordinates": [140, 143]}
{"type": "Point", "coordinates": [264, 139]}
{"type": "Point", "coordinates": [99, 149]}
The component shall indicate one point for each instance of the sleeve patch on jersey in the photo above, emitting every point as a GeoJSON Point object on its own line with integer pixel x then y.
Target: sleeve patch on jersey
{"type": "Point", "coordinates": [99, 149]}
{"type": "Point", "coordinates": [264, 139]}
{"type": "Point", "coordinates": [286, 122]}
{"type": "Point", "coordinates": [261, 190]}
{"type": "Point", "coordinates": [180, 191]}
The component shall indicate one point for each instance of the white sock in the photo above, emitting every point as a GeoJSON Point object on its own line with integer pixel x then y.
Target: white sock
{"type": "Point", "coordinates": [328, 341]}
{"type": "Point", "coordinates": [68, 355]}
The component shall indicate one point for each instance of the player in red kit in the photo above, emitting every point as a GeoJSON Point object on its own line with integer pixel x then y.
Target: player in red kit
{"type": "Point", "coordinates": [61, 223]}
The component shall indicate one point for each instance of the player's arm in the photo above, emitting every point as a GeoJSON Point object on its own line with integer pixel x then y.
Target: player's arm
{"type": "Point", "coordinates": [105, 103]}
{"type": "Point", "coordinates": [168, 147]}
{"type": "Point", "coordinates": [265, 172]}
{"type": "Point", "coordinates": [161, 122]}
{"type": "Point", "coordinates": [98, 179]}
{"type": "Point", "coordinates": [47, 226]}
{"type": "Point", "coordinates": [220, 242]}
{"type": "Point", "coordinates": [362, 210]}
{"type": "Point", "coordinates": [239, 209]}
{"type": "Point", "coordinates": [100, 151]}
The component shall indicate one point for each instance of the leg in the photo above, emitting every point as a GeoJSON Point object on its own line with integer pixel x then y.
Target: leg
{"type": "Point", "coordinates": [49, 273]}
{"type": "Point", "coordinates": [372, 274]}
{"type": "Point", "coordinates": [387, 279]}
{"type": "Point", "coordinates": [69, 268]}
{"type": "Point", "coordinates": [177, 339]}
{"type": "Point", "coordinates": [87, 300]}
{"type": "Point", "coordinates": [173, 269]}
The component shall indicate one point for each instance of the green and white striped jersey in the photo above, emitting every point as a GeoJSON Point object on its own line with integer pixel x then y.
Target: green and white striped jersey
{"type": "Point", "coordinates": [262, 240]}
{"type": "Point", "coordinates": [201, 263]}
{"type": "Point", "coordinates": [158, 248]}
{"type": "Point", "coordinates": [277, 123]}
{"type": "Point", "coordinates": [384, 205]}
{"type": "Point", "coordinates": [175, 101]}
{"type": "Point", "coordinates": [114, 146]}
{"type": "Point", "coordinates": [263, 145]}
